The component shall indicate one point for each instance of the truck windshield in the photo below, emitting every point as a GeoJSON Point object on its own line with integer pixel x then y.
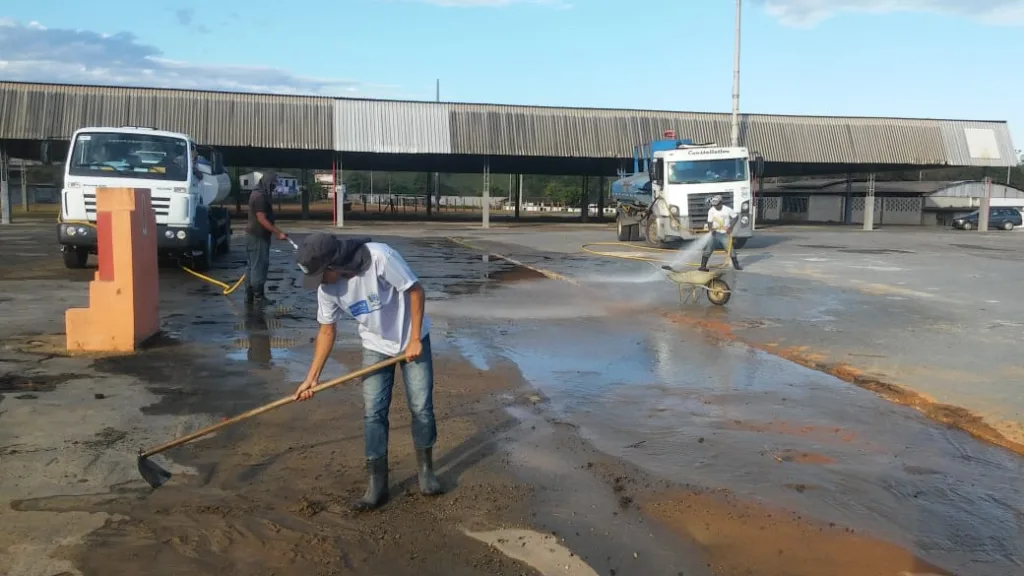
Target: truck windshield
{"type": "Point", "coordinates": [126, 155]}
{"type": "Point", "coordinates": [707, 171]}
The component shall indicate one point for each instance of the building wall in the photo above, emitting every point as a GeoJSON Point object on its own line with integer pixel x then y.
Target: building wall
{"type": "Point", "coordinates": [825, 209]}
{"type": "Point", "coordinates": [901, 211]}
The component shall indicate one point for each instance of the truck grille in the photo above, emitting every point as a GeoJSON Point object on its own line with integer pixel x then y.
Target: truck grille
{"type": "Point", "coordinates": [161, 206]}
{"type": "Point", "coordinates": [699, 204]}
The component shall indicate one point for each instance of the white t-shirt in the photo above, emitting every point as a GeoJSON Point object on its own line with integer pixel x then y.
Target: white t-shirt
{"type": "Point", "coordinates": [719, 219]}
{"type": "Point", "coordinates": [377, 300]}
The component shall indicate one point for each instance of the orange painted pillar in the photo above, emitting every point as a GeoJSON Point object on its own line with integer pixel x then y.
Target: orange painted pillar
{"type": "Point", "coordinates": [124, 297]}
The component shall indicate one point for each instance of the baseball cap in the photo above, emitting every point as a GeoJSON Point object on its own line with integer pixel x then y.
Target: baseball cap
{"type": "Point", "coordinates": [315, 253]}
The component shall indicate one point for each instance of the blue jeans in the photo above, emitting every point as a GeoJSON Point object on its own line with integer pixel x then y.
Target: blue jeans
{"type": "Point", "coordinates": [419, 391]}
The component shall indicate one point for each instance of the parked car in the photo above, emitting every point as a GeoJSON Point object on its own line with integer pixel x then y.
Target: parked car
{"type": "Point", "coordinates": [998, 218]}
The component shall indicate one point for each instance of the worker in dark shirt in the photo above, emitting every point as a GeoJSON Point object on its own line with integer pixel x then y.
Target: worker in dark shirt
{"type": "Point", "coordinates": [258, 231]}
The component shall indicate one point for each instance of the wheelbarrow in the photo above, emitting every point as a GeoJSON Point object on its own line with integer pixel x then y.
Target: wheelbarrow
{"type": "Point", "coordinates": [697, 281]}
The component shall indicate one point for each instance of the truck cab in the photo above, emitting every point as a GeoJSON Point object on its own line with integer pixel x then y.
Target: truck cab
{"type": "Point", "coordinates": [669, 199]}
{"type": "Point", "coordinates": [185, 182]}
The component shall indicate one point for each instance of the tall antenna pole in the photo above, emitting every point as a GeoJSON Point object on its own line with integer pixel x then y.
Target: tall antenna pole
{"type": "Point", "coordinates": [736, 81]}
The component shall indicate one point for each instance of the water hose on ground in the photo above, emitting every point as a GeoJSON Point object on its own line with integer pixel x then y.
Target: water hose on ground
{"type": "Point", "coordinates": [226, 289]}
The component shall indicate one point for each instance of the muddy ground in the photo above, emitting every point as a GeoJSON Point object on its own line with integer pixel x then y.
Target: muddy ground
{"type": "Point", "coordinates": [534, 436]}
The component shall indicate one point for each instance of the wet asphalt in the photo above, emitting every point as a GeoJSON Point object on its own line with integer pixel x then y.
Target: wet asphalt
{"type": "Point", "coordinates": [662, 396]}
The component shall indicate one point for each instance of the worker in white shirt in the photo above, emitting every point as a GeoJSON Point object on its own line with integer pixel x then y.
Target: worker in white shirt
{"type": "Point", "coordinates": [721, 220]}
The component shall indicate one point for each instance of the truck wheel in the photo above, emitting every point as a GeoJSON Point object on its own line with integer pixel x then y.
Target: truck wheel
{"type": "Point", "coordinates": [739, 243]}
{"type": "Point", "coordinates": [634, 233]}
{"type": "Point", "coordinates": [225, 246]}
{"type": "Point", "coordinates": [622, 230]}
{"type": "Point", "coordinates": [204, 261]}
{"type": "Point", "coordinates": [75, 257]}
{"type": "Point", "coordinates": [651, 233]}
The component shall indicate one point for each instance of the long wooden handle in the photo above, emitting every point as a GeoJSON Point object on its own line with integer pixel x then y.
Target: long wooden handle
{"type": "Point", "coordinates": [268, 407]}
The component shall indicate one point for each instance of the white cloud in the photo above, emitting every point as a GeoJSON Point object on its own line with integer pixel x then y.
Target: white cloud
{"type": "Point", "coordinates": [810, 12]}
{"type": "Point", "coordinates": [34, 53]}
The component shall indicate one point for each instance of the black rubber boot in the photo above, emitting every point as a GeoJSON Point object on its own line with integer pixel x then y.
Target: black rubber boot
{"type": "Point", "coordinates": [428, 481]}
{"type": "Point", "coordinates": [704, 263]}
{"type": "Point", "coordinates": [735, 263]}
{"type": "Point", "coordinates": [261, 297]}
{"type": "Point", "coordinates": [377, 489]}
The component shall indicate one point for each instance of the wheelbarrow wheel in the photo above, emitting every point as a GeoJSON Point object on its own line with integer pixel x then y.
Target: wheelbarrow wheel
{"type": "Point", "coordinates": [718, 291]}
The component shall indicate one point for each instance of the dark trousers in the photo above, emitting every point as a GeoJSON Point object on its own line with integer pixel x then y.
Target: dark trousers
{"type": "Point", "coordinates": [257, 256]}
{"type": "Point", "coordinates": [719, 240]}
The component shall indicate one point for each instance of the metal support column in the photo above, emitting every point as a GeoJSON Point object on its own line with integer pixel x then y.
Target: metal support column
{"type": "Point", "coordinates": [305, 194]}
{"type": "Point", "coordinates": [5, 176]}
{"type": "Point", "coordinates": [339, 191]}
{"type": "Point", "coordinates": [601, 193]}
{"type": "Point", "coordinates": [584, 200]}
{"type": "Point", "coordinates": [985, 208]}
{"type": "Point", "coordinates": [486, 197]}
{"type": "Point", "coordinates": [24, 186]}
{"type": "Point", "coordinates": [519, 195]}
{"type": "Point", "coordinates": [848, 200]}
{"type": "Point", "coordinates": [869, 204]}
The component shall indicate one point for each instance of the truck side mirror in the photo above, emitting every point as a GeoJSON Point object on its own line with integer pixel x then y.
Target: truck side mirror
{"type": "Point", "coordinates": [656, 170]}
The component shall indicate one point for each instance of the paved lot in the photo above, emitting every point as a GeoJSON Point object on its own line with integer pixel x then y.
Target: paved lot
{"type": "Point", "coordinates": [938, 312]}
{"type": "Point", "coordinates": [598, 412]}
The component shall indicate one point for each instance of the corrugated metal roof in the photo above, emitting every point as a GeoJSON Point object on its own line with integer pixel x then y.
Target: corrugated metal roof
{"type": "Point", "coordinates": [46, 111]}
{"type": "Point", "coordinates": [390, 127]}
{"type": "Point", "coordinates": [50, 111]}
{"type": "Point", "coordinates": [528, 131]}
{"type": "Point", "coordinates": [959, 153]}
{"type": "Point", "coordinates": [938, 188]}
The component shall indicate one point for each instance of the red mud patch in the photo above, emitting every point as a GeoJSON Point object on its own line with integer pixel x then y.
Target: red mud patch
{"type": "Point", "coordinates": [742, 538]}
{"type": "Point", "coordinates": [818, 433]}
{"type": "Point", "coordinates": [798, 457]}
{"type": "Point", "coordinates": [952, 416]}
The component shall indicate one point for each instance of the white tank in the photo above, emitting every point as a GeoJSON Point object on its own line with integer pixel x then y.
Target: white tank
{"type": "Point", "coordinates": [213, 188]}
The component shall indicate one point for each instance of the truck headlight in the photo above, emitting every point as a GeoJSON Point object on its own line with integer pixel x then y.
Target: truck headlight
{"type": "Point", "coordinates": [744, 220]}
{"type": "Point", "coordinates": [70, 230]}
{"type": "Point", "coordinates": [745, 206]}
{"type": "Point", "coordinates": [181, 234]}
{"type": "Point", "coordinates": [673, 210]}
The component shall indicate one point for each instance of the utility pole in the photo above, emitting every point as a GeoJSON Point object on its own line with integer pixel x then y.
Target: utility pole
{"type": "Point", "coordinates": [436, 192]}
{"type": "Point", "coordinates": [736, 80]}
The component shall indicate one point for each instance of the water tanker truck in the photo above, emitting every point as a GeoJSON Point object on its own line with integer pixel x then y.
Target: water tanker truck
{"type": "Point", "coordinates": [185, 181]}
{"type": "Point", "coordinates": [668, 195]}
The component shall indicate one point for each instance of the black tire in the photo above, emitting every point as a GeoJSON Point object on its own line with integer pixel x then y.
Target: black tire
{"type": "Point", "coordinates": [75, 258]}
{"type": "Point", "coordinates": [622, 231]}
{"type": "Point", "coordinates": [634, 233]}
{"type": "Point", "coordinates": [650, 232]}
{"type": "Point", "coordinates": [204, 261]}
{"type": "Point", "coordinates": [1007, 226]}
{"type": "Point", "coordinates": [718, 291]}
{"type": "Point", "coordinates": [739, 243]}
{"type": "Point", "coordinates": [225, 246]}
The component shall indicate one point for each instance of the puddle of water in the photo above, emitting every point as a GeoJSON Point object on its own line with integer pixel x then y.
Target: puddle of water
{"type": "Point", "coordinates": [729, 416]}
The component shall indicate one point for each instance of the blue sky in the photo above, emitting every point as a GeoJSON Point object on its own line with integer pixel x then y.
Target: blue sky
{"type": "Point", "coordinates": [918, 58]}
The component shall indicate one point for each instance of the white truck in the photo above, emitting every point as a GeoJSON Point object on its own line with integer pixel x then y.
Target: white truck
{"type": "Point", "coordinates": [185, 181]}
{"type": "Point", "coordinates": [669, 199]}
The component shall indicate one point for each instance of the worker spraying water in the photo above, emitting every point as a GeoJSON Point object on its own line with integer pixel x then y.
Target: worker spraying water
{"type": "Point", "coordinates": [721, 221]}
